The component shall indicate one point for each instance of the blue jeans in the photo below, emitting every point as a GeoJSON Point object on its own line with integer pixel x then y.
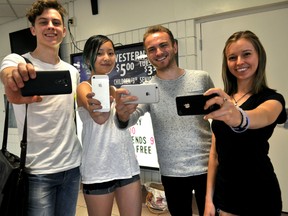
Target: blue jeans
{"type": "Point", "coordinates": [54, 194]}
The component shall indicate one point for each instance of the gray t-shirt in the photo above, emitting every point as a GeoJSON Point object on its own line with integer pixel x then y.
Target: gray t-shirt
{"type": "Point", "coordinates": [182, 142]}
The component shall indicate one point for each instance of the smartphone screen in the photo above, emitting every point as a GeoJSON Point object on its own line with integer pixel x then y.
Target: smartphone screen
{"type": "Point", "coordinates": [194, 105]}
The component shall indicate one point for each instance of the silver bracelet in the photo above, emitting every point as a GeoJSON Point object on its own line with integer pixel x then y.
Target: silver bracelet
{"type": "Point", "coordinates": [245, 122]}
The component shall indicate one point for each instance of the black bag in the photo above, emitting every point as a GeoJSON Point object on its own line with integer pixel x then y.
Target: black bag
{"type": "Point", "coordinates": [13, 178]}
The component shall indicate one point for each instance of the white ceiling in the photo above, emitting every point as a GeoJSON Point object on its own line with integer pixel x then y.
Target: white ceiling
{"type": "Point", "coordinates": [14, 9]}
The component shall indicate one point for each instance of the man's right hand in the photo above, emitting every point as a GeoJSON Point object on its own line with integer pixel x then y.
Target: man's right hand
{"type": "Point", "coordinates": [13, 79]}
{"type": "Point", "coordinates": [122, 108]}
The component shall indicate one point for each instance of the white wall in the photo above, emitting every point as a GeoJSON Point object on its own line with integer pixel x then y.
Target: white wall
{"type": "Point", "coordinates": [125, 22]}
{"type": "Point", "coordinates": [126, 15]}
{"type": "Point", "coordinates": [118, 16]}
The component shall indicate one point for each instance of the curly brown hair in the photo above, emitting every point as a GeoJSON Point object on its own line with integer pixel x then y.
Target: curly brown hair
{"type": "Point", "coordinates": [39, 6]}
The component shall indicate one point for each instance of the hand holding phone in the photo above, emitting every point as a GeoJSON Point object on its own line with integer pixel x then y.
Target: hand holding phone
{"type": "Point", "coordinates": [100, 86]}
{"type": "Point", "coordinates": [146, 93]}
{"type": "Point", "coordinates": [194, 105]}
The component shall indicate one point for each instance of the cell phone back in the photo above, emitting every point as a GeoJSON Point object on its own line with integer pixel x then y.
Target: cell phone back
{"type": "Point", "coordinates": [100, 86]}
{"type": "Point", "coordinates": [194, 105]}
{"type": "Point", "coordinates": [146, 93]}
{"type": "Point", "coordinates": [48, 83]}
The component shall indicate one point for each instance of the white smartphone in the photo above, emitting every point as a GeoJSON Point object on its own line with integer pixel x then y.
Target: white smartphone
{"type": "Point", "coordinates": [146, 93]}
{"type": "Point", "coordinates": [100, 86]}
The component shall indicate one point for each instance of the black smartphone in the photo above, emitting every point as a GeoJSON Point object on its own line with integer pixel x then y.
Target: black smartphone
{"type": "Point", "coordinates": [48, 83]}
{"type": "Point", "coordinates": [194, 105]}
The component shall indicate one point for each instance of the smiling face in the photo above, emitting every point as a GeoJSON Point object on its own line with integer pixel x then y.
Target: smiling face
{"type": "Point", "coordinates": [160, 50]}
{"type": "Point", "coordinates": [106, 59]}
{"type": "Point", "coordinates": [242, 59]}
{"type": "Point", "coordinates": [49, 28]}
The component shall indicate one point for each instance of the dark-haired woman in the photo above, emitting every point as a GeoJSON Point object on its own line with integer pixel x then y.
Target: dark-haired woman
{"type": "Point", "coordinates": [109, 167]}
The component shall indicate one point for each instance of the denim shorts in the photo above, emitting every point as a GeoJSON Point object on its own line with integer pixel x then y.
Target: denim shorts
{"type": "Point", "coordinates": [108, 187]}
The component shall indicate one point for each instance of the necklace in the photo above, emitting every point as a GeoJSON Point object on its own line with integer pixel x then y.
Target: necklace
{"type": "Point", "coordinates": [236, 101]}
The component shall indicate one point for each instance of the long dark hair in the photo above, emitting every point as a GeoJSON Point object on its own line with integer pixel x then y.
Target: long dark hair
{"type": "Point", "coordinates": [91, 49]}
{"type": "Point", "coordinates": [230, 81]}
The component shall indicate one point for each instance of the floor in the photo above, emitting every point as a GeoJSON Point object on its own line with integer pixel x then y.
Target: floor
{"type": "Point", "coordinates": [82, 211]}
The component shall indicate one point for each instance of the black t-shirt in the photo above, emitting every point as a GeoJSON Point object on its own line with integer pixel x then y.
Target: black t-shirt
{"type": "Point", "coordinates": [245, 180]}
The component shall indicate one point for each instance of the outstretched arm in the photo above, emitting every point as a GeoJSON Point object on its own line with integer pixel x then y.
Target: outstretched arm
{"type": "Point", "coordinates": [263, 115]}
